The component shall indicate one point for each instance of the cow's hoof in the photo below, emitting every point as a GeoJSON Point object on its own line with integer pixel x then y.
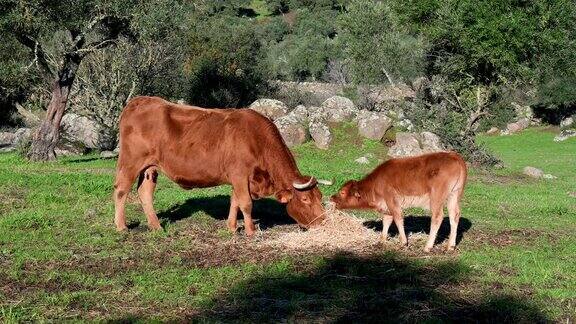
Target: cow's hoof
{"type": "Point", "coordinates": [427, 249]}
{"type": "Point", "coordinates": [450, 249]}
{"type": "Point", "coordinates": [232, 227]}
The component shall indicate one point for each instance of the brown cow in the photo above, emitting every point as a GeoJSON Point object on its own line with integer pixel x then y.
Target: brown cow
{"type": "Point", "coordinates": [428, 181]}
{"type": "Point", "coordinates": [198, 148]}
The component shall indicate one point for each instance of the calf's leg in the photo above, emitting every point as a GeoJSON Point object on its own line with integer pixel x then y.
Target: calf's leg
{"type": "Point", "coordinates": [386, 222]}
{"type": "Point", "coordinates": [233, 214]}
{"type": "Point", "coordinates": [454, 215]}
{"type": "Point", "coordinates": [396, 212]}
{"type": "Point", "coordinates": [146, 186]}
{"type": "Point", "coordinates": [436, 221]}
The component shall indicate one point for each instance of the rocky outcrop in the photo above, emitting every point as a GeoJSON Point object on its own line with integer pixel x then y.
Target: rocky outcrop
{"type": "Point", "coordinates": [564, 135]}
{"type": "Point", "coordinates": [320, 134]}
{"type": "Point", "coordinates": [270, 108]}
{"type": "Point", "coordinates": [567, 122]}
{"type": "Point", "coordinates": [81, 130]}
{"type": "Point", "coordinates": [517, 126]}
{"type": "Point", "coordinates": [338, 109]}
{"type": "Point", "coordinates": [412, 144]}
{"type": "Point", "coordinates": [293, 132]}
{"type": "Point", "coordinates": [373, 125]}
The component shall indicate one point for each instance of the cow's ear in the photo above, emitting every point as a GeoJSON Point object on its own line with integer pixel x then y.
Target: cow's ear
{"type": "Point", "coordinates": [354, 190]}
{"type": "Point", "coordinates": [284, 196]}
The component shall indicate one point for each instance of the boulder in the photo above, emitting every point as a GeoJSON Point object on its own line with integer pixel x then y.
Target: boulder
{"type": "Point", "coordinates": [300, 113]}
{"type": "Point", "coordinates": [291, 130]}
{"type": "Point", "coordinates": [321, 134]}
{"type": "Point", "coordinates": [339, 109]}
{"type": "Point", "coordinates": [373, 125]}
{"type": "Point", "coordinates": [533, 172]}
{"type": "Point", "coordinates": [517, 126]}
{"type": "Point", "coordinates": [564, 135]}
{"type": "Point", "coordinates": [406, 144]}
{"type": "Point", "coordinates": [493, 131]}
{"type": "Point", "coordinates": [412, 144]}
{"type": "Point", "coordinates": [523, 112]}
{"type": "Point", "coordinates": [430, 142]}
{"type": "Point", "coordinates": [108, 154]}
{"type": "Point", "coordinates": [270, 108]}
{"type": "Point", "coordinates": [567, 122]}
{"type": "Point", "coordinates": [80, 129]}
{"type": "Point", "coordinates": [22, 134]}
{"type": "Point", "coordinates": [7, 139]}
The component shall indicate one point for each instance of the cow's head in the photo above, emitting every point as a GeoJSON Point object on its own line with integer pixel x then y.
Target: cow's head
{"type": "Point", "coordinates": [349, 196]}
{"type": "Point", "coordinates": [304, 201]}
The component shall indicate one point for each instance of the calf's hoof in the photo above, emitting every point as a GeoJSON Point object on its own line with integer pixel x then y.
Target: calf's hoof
{"type": "Point", "coordinates": [121, 228]}
{"type": "Point", "coordinates": [232, 226]}
{"type": "Point", "coordinates": [155, 226]}
{"type": "Point", "coordinates": [450, 248]}
{"type": "Point", "coordinates": [427, 249]}
{"type": "Point", "coordinates": [250, 230]}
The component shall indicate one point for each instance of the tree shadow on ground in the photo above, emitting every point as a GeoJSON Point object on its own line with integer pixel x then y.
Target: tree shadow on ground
{"type": "Point", "coordinates": [421, 224]}
{"type": "Point", "coordinates": [383, 288]}
{"type": "Point", "coordinates": [266, 212]}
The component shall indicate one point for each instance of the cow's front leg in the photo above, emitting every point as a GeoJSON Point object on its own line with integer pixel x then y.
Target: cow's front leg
{"type": "Point", "coordinates": [244, 202]}
{"type": "Point", "coordinates": [396, 212]}
{"type": "Point", "coordinates": [233, 214]}
{"type": "Point", "coordinates": [386, 222]}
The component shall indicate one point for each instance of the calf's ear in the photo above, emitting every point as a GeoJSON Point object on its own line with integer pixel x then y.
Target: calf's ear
{"type": "Point", "coordinates": [284, 196]}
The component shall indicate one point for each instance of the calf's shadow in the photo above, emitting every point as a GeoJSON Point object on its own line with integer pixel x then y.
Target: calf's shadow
{"type": "Point", "coordinates": [265, 212]}
{"type": "Point", "coordinates": [417, 224]}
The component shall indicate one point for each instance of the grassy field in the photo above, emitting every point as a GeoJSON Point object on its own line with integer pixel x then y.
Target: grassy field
{"type": "Point", "coordinates": [61, 259]}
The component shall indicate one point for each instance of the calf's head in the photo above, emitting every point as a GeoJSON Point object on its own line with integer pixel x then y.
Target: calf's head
{"type": "Point", "coordinates": [349, 196]}
{"type": "Point", "coordinates": [304, 201]}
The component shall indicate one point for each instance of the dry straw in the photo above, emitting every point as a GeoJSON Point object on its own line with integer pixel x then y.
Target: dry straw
{"type": "Point", "coordinates": [338, 232]}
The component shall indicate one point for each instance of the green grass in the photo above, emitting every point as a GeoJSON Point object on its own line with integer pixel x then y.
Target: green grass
{"type": "Point", "coordinates": [61, 259]}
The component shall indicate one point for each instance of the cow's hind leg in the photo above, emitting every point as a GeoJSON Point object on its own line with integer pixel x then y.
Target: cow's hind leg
{"type": "Point", "coordinates": [124, 180]}
{"type": "Point", "coordinates": [146, 186]}
{"type": "Point", "coordinates": [454, 215]}
{"type": "Point", "coordinates": [233, 214]}
{"type": "Point", "coordinates": [244, 202]}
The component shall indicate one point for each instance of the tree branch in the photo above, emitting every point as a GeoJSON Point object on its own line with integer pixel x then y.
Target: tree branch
{"type": "Point", "coordinates": [39, 54]}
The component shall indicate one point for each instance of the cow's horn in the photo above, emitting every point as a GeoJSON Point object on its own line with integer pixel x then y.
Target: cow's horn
{"type": "Point", "coordinates": [325, 182]}
{"type": "Point", "coordinates": [302, 186]}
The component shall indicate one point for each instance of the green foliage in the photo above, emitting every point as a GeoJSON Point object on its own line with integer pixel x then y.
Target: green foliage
{"type": "Point", "coordinates": [379, 48]}
{"type": "Point", "coordinates": [222, 62]}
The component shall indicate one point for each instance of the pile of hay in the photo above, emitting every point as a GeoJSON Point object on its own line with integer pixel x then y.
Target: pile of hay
{"type": "Point", "coordinates": [338, 232]}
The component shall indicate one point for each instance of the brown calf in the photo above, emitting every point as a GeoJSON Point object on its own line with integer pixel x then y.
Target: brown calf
{"type": "Point", "coordinates": [428, 181]}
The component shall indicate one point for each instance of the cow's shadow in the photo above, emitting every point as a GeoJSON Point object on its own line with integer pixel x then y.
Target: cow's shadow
{"type": "Point", "coordinates": [418, 224]}
{"type": "Point", "coordinates": [266, 212]}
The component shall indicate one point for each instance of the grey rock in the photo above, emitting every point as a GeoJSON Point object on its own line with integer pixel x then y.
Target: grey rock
{"type": "Point", "coordinates": [7, 139]}
{"type": "Point", "coordinates": [362, 160]}
{"type": "Point", "coordinates": [493, 131]}
{"type": "Point", "coordinates": [523, 112]}
{"type": "Point", "coordinates": [270, 108]}
{"type": "Point", "coordinates": [80, 129]}
{"type": "Point", "coordinates": [373, 125]}
{"type": "Point", "coordinates": [321, 134]}
{"type": "Point", "coordinates": [291, 130]}
{"type": "Point", "coordinates": [517, 126]}
{"type": "Point", "coordinates": [339, 109]}
{"type": "Point", "coordinates": [407, 144]}
{"type": "Point", "coordinates": [413, 144]}
{"type": "Point", "coordinates": [533, 172]}
{"type": "Point", "coordinates": [564, 135]}
{"type": "Point", "coordinates": [22, 134]}
{"type": "Point", "coordinates": [567, 122]}
{"type": "Point", "coordinates": [108, 154]}
{"type": "Point", "coordinates": [300, 113]}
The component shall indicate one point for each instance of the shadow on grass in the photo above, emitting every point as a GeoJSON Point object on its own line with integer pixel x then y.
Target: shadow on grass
{"type": "Point", "coordinates": [266, 212]}
{"type": "Point", "coordinates": [384, 288]}
{"type": "Point", "coordinates": [417, 224]}
{"type": "Point", "coordinates": [347, 288]}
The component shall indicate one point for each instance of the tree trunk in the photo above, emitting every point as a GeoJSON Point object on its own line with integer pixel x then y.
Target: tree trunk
{"type": "Point", "coordinates": [46, 136]}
